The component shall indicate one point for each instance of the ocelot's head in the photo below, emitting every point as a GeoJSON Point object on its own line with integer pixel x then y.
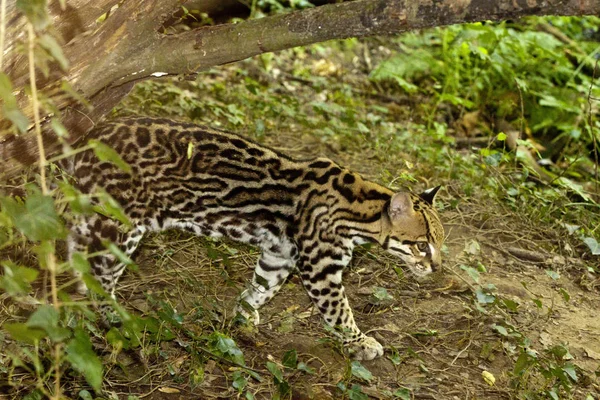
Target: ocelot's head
{"type": "Point", "coordinates": [412, 230]}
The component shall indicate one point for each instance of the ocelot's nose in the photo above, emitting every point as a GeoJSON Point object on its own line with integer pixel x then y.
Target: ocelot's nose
{"type": "Point", "coordinates": [436, 262]}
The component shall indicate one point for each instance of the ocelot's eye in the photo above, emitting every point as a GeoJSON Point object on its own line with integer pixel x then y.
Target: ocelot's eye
{"type": "Point", "coordinates": [422, 246]}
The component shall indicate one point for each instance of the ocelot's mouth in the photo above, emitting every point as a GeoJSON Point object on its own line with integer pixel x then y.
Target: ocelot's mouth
{"type": "Point", "coordinates": [420, 270]}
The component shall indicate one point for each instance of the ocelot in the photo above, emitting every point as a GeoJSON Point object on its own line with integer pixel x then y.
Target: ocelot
{"type": "Point", "coordinates": [305, 215]}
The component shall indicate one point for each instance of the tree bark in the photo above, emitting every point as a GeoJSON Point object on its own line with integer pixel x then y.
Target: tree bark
{"type": "Point", "coordinates": [107, 59]}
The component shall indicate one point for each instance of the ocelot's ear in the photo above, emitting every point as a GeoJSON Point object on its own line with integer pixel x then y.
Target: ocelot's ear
{"type": "Point", "coordinates": [401, 206]}
{"type": "Point", "coordinates": [429, 194]}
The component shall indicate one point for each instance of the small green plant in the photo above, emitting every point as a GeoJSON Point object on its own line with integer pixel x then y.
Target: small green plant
{"type": "Point", "coordinates": [508, 67]}
{"type": "Point", "coordinates": [549, 373]}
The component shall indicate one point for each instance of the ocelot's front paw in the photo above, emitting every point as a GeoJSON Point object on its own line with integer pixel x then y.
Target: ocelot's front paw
{"type": "Point", "coordinates": [247, 312]}
{"type": "Point", "coordinates": [366, 348]}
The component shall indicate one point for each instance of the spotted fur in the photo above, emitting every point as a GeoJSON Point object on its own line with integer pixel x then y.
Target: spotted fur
{"type": "Point", "coordinates": [305, 215]}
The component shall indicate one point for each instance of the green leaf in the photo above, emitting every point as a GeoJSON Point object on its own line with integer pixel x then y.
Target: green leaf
{"type": "Point", "coordinates": [571, 228]}
{"type": "Point", "coordinates": [282, 386]}
{"type": "Point", "coordinates": [16, 279]}
{"type": "Point", "coordinates": [552, 394]}
{"type": "Point", "coordinates": [226, 347]}
{"type": "Point", "coordinates": [106, 153]}
{"type": "Point", "coordinates": [15, 116]}
{"type": "Point", "coordinates": [523, 362]}
{"type": "Point", "coordinates": [565, 294]}
{"type": "Point", "coordinates": [36, 12]}
{"type": "Point", "coordinates": [51, 45]}
{"type": "Point", "coordinates": [395, 357]}
{"type": "Point", "coordinates": [82, 357]}
{"type": "Point", "coordinates": [190, 150]}
{"type": "Point", "coordinates": [46, 317]}
{"type": "Point", "coordinates": [23, 333]}
{"type": "Point", "coordinates": [403, 394]}
{"type": "Point", "coordinates": [10, 108]}
{"type": "Point", "coordinates": [522, 84]}
{"type": "Point", "coordinates": [290, 359]}
{"type": "Point", "coordinates": [78, 202]}
{"type": "Point", "coordinates": [570, 370]}
{"type": "Point", "coordinates": [305, 368]}
{"type": "Point", "coordinates": [510, 305]}
{"type": "Point", "coordinates": [85, 395]}
{"type": "Point", "coordinates": [116, 339]}
{"type": "Point", "coordinates": [501, 137]}
{"type": "Point", "coordinates": [473, 247]}
{"type": "Point", "coordinates": [275, 371]}
{"type": "Point", "coordinates": [593, 245]}
{"type": "Point", "coordinates": [117, 252]}
{"type": "Point", "coordinates": [500, 329]}
{"type": "Point", "coordinates": [43, 251]}
{"type": "Point", "coordinates": [552, 274]}
{"type": "Point", "coordinates": [157, 329]}
{"type": "Point", "coordinates": [382, 295]}
{"type": "Point", "coordinates": [425, 333]}
{"type": "Point", "coordinates": [356, 393]}
{"type": "Point", "coordinates": [59, 128]}
{"type": "Point", "coordinates": [93, 285]}
{"type": "Point", "coordinates": [575, 187]}
{"type": "Point", "coordinates": [553, 102]}
{"type": "Point", "coordinates": [472, 272]}
{"type": "Point", "coordinates": [484, 298]}
{"type": "Point", "coordinates": [239, 381]}
{"type": "Point", "coordinates": [559, 351]}
{"type": "Point", "coordinates": [110, 208]}
{"type": "Point", "coordinates": [80, 263]}
{"type": "Point", "coordinates": [37, 219]}
{"type": "Point", "coordinates": [359, 371]}
{"type": "Point", "coordinates": [35, 395]}
{"type": "Point", "coordinates": [287, 324]}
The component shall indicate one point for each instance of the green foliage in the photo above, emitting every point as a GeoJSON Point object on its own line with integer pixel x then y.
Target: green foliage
{"type": "Point", "coordinates": [9, 107]}
{"type": "Point", "coordinates": [283, 387]}
{"type": "Point", "coordinates": [23, 333]}
{"type": "Point", "coordinates": [37, 218]}
{"type": "Point", "coordinates": [550, 373]}
{"type": "Point", "coordinates": [593, 245]}
{"type": "Point", "coordinates": [55, 339]}
{"type": "Point", "coordinates": [36, 12]}
{"type": "Point", "coordinates": [16, 279]}
{"type": "Point", "coordinates": [503, 68]}
{"type": "Point", "coordinates": [261, 8]}
{"type": "Point", "coordinates": [46, 318]}
{"type": "Point", "coordinates": [553, 367]}
{"type": "Point", "coordinates": [354, 392]}
{"type": "Point", "coordinates": [225, 347]}
{"type": "Point", "coordinates": [360, 372]}
{"type": "Point", "coordinates": [290, 359]}
{"type": "Point", "coordinates": [106, 153]}
{"type": "Point", "coordinates": [83, 358]}
{"type": "Point", "coordinates": [381, 296]}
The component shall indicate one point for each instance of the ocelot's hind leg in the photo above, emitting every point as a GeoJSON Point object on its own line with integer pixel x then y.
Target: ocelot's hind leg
{"type": "Point", "coordinates": [270, 273]}
{"type": "Point", "coordinates": [88, 237]}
